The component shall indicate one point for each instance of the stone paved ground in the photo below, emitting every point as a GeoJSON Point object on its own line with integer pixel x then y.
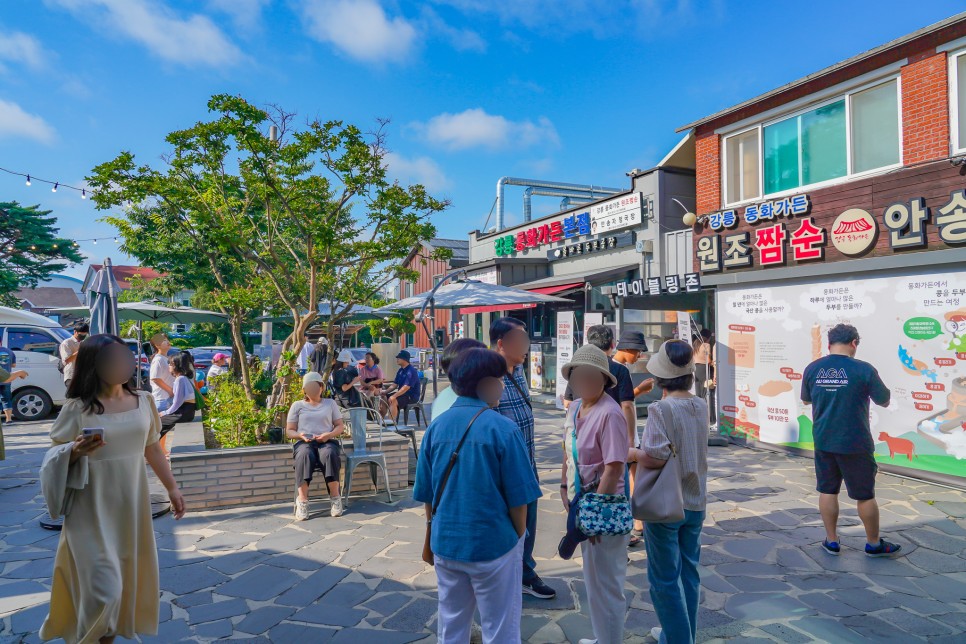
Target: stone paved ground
{"type": "Point", "coordinates": [253, 575]}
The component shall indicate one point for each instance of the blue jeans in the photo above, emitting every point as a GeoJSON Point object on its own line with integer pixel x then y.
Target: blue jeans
{"type": "Point", "coordinates": [673, 551]}
{"type": "Point", "coordinates": [529, 564]}
{"type": "Point", "coordinates": [5, 397]}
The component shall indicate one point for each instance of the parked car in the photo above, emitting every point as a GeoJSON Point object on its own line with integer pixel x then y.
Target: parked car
{"type": "Point", "coordinates": [145, 366]}
{"type": "Point", "coordinates": [204, 355]}
{"type": "Point", "coordinates": [35, 341]}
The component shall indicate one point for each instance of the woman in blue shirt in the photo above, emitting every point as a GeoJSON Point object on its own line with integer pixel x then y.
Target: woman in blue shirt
{"type": "Point", "coordinates": [480, 520]}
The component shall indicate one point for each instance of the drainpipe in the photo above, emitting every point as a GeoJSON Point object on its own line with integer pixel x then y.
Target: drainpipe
{"type": "Point", "coordinates": [502, 182]}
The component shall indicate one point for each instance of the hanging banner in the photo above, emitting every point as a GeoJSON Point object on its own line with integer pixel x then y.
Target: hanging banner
{"type": "Point", "coordinates": [913, 331]}
{"type": "Point", "coordinates": [536, 370]}
{"type": "Point", "coordinates": [565, 351]}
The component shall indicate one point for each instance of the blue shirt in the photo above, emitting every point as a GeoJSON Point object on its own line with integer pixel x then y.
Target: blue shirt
{"type": "Point", "coordinates": [8, 359]}
{"type": "Point", "coordinates": [491, 475]}
{"type": "Point", "coordinates": [519, 410]}
{"type": "Point", "coordinates": [839, 388]}
{"type": "Point", "coordinates": [408, 376]}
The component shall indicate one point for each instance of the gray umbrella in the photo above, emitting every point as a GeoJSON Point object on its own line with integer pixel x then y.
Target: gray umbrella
{"type": "Point", "coordinates": [103, 301]}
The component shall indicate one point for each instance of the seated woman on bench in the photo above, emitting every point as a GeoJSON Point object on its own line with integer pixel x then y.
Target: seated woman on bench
{"type": "Point", "coordinates": [316, 424]}
{"type": "Point", "coordinates": [183, 407]}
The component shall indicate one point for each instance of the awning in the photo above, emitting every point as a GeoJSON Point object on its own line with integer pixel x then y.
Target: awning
{"type": "Point", "coordinates": [470, 310]}
{"type": "Point", "coordinates": [563, 282]}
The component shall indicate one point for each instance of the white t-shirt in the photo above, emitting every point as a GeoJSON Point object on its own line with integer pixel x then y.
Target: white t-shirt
{"type": "Point", "coordinates": [68, 348]}
{"type": "Point", "coordinates": [160, 371]}
{"type": "Point", "coordinates": [314, 419]}
{"type": "Point", "coordinates": [303, 359]}
{"type": "Point", "coordinates": [216, 370]}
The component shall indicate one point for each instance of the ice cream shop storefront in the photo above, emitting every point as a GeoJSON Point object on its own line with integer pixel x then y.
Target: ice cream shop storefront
{"type": "Point", "coordinates": [885, 254]}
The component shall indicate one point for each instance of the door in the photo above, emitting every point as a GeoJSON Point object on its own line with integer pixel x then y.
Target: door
{"type": "Point", "coordinates": [36, 350]}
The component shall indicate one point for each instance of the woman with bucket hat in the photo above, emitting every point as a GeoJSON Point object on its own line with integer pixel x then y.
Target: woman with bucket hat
{"type": "Point", "coordinates": [676, 426]}
{"type": "Point", "coordinates": [315, 423]}
{"type": "Point", "coordinates": [595, 453]}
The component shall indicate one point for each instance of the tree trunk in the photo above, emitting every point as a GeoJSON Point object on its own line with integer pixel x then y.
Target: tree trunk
{"type": "Point", "coordinates": [292, 345]}
{"type": "Point", "coordinates": [240, 366]}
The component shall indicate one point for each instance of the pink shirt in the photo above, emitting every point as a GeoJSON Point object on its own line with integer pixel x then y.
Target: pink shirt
{"type": "Point", "coordinates": [375, 372]}
{"type": "Point", "coordinates": [601, 440]}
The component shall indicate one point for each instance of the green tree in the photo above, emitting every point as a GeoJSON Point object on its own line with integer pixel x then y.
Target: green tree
{"type": "Point", "coordinates": [30, 249]}
{"type": "Point", "coordinates": [392, 327]}
{"type": "Point", "coordinates": [300, 219]}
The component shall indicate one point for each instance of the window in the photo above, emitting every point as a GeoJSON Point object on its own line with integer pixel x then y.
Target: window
{"type": "Point", "coordinates": [742, 162]}
{"type": "Point", "coordinates": [850, 135]}
{"type": "Point", "coordinates": [31, 340]}
{"type": "Point", "coordinates": [805, 149]}
{"type": "Point", "coordinates": [958, 86]}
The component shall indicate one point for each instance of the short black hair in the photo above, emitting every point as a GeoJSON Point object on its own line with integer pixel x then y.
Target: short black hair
{"type": "Point", "coordinates": [502, 326]}
{"type": "Point", "coordinates": [457, 347]}
{"type": "Point", "coordinates": [183, 363]}
{"type": "Point", "coordinates": [471, 366]}
{"type": "Point", "coordinates": [82, 327]}
{"type": "Point", "coordinates": [375, 358]}
{"type": "Point", "coordinates": [706, 334]}
{"type": "Point", "coordinates": [843, 334]}
{"type": "Point", "coordinates": [601, 336]}
{"type": "Point", "coordinates": [680, 354]}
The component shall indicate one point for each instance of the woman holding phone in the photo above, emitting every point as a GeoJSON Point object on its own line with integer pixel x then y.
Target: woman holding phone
{"type": "Point", "coordinates": [105, 580]}
{"type": "Point", "coordinates": [315, 423]}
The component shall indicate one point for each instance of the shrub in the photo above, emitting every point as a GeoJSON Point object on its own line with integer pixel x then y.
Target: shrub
{"type": "Point", "coordinates": [234, 420]}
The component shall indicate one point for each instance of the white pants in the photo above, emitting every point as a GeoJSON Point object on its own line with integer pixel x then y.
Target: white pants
{"type": "Point", "coordinates": [605, 567]}
{"type": "Point", "coordinates": [492, 586]}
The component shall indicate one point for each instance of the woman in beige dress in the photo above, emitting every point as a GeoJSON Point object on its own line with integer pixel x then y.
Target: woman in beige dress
{"type": "Point", "coordinates": [105, 580]}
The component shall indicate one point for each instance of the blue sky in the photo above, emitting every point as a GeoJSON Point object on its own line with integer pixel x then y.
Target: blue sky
{"type": "Point", "coordinates": [578, 91]}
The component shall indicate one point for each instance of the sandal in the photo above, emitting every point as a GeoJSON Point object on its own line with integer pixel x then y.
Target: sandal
{"type": "Point", "coordinates": [635, 541]}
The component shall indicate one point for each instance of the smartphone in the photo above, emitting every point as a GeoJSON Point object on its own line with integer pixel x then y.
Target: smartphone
{"type": "Point", "coordinates": [93, 431]}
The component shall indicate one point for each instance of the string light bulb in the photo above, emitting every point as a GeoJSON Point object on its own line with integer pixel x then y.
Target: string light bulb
{"type": "Point", "coordinates": [28, 179]}
{"type": "Point", "coordinates": [95, 242]}
{"type": "Point", "coordinates": [83, 194]}
{"type": "Point", "coordinates": [54, 189]}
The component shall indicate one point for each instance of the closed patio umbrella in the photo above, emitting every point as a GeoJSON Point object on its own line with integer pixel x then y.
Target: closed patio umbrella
{"type": "Point", "coordinates": [103, 301]}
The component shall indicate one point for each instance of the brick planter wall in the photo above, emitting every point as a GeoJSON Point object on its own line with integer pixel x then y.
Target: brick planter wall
{"type": "Point", "coordinates": [226, 478]}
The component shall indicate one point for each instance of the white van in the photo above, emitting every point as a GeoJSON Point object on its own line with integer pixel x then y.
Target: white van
{"type": "Point", "coordinates": [35, 341]}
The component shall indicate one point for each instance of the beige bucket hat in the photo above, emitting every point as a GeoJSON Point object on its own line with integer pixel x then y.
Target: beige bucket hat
{"type": "Point", "coordinates": [590, 356]}
{"type": "Point", "coordinates": [660, 365]}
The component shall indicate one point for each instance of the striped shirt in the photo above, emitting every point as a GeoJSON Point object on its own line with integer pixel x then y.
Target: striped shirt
{"type": "Point", "coordinates": [518, 409]}
{"type": "Point", "coordinates": [689, 434]}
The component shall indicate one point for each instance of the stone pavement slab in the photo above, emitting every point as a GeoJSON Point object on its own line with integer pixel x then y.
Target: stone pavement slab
{"type": "Point", "coordinates": [255, 575]}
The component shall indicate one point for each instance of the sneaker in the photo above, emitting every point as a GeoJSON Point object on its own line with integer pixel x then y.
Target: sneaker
{"type": "Point", "coordinates": [656, 633]}
{"type": "Point", "coordinates": [538, 589]}
{"type": "Point", "coordinates": [588, 642]}
{"type": "Point", "coordinates": [884, 549]}
{"type": "Point", "coordinates": [301, 510]}
{"type": "Point", "coordinates": [337, 508]}
{"type": "Point", "coordinates": [831, 547]}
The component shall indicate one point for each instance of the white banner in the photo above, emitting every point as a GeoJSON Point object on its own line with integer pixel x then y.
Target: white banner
{"type": "Point", "coordinates": [565, 350]}
{"type": "Point", "coordinates": [615, 214]}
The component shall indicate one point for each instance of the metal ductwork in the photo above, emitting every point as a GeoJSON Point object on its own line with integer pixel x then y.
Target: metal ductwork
{"type": "Point", "coordinates": [591, 191]}
{"type": "Point", "coordinates": [573, 195]}
{"type": "Point", "coordinates": [566, 202]}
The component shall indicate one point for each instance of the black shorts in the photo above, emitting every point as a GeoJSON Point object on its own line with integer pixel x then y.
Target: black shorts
{"type": "Point", "coordinates": [858, 471]}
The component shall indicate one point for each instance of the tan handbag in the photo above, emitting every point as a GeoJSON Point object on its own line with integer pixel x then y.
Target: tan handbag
{"type": "Point", "coordinates": [428, 555]}
{"type": "Point", "coordinates": [658, 497]}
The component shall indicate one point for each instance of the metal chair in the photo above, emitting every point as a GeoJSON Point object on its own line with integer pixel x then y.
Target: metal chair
{"type": "Point", "coordinates": [361, 454]}
{"type": "Point", "coordinates": [372, 408]}
{"type": "Point", "coordinates": [419, 409]}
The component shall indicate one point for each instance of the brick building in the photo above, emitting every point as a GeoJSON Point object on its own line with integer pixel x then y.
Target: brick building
{"type": "Point", "coordinates": [841, 197]}
{"type": "Point", "coordinates": [431, 271]}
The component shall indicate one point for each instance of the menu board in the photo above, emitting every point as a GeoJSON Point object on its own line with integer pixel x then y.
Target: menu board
{"type": "Point", "coordinates": [913, 331]}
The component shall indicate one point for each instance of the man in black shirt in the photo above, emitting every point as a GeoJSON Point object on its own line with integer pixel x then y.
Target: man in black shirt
{"type": "Point", "coordinates": [839, 388]}
{"type": "Point", "coordinates": [344, 380]}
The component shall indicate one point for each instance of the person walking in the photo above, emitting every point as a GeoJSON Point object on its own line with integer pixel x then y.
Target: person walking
{"type": "Point", "coordinates": [315, 423]}
{"type": "Point", "coordinates": [68, 350]}
{"type": "Point", "coordinates": [509, 338]}
{"type": "Point", "coordinates": [839, 388]}
{"type": "Point", "coordinates": [162, 382]}
{"type": "Point", "coordinates": [676, 425]}
{"type": "Point", "coordinates": [475, 478]}
{"type": "Point", "coordinates": [105, 579]}
{"type": "Point", "coordinates": [596, 432]}
{"type": "Point", "coordinates": [448, 396]}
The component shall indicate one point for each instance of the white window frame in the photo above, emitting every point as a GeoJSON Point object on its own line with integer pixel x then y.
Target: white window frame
{"type": "Point", "coordinates": [849, 175]}
{"type": "Point", "coordinates": [955, 145]}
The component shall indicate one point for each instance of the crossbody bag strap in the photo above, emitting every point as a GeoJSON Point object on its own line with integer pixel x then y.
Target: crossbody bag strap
{"type": "Point", "coordinates": [513, 379]}
{"type": "Point", "coordinates": [452, 463]}
{"type": "Point", "coordinates": [573, 447]}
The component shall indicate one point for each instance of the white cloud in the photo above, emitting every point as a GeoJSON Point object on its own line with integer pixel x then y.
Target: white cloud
{"type": "Point", "coordinates": [193, 40]}
{"type": "Point", "coordinates": [474, 128]}
{"type": "Point", "coordinates": [460, 39]}
{"type": "Point", "coordinates": [246, 14]}
{"type": "Point", "coordinates": [18, 47]}
{"type": "Point", "coordinates": [17, 123]}
{"type": "Point", "coordinates": [361, 29]}
{"type": "Point", "coordinates": [416, 170]}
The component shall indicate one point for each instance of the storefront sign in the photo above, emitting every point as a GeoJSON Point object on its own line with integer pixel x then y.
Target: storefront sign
{"type": "Point", "coordinates": [671, 285]}
{"type": "Point", "coordinates": [593, 246]}
{"type": "Point", "coordinates": [911, 334]}
{"type": "Point", "coordinates": [565, 351]}
{"type": "Point", "coordinates": [619, 213]}
{"type": "Point", "coordinates": [853, 233]}
{"type": "Point", "coordinates": [487, 276]}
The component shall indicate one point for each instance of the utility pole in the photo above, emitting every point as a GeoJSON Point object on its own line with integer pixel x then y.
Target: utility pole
{"type": "Point", "coordinates": [267, 326]}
